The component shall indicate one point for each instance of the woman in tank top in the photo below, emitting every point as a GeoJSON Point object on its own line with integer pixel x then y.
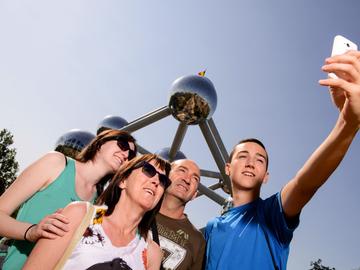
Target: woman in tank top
{"type": "Point", "coordinates": [50, 184]}
{"type": "Point", "coordinates": [116, 237]}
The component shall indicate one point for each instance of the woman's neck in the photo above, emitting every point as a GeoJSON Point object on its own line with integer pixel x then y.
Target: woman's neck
{"type": "Point", "coordinates": [90, 172]}
{"type": "Point", "coordinates": [126, 216]}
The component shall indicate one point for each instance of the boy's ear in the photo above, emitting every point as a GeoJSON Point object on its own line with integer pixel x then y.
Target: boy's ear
{"type": "Point", "coordinates": [227, 169]}
{"type": "Point", "coordinates": [266, 178]}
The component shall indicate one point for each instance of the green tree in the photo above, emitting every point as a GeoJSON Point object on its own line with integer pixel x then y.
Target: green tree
{"type": "Point", "coordinates": [318, 266]}
{"type": "Point", "coordinates": [8, 164]}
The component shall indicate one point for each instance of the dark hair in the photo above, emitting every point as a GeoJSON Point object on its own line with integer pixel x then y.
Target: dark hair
{"type": "Point", "coordinates": [253, 140]}
{"type": "Point", "coordinates": [112, 193]}
{"type": "Point", "coordinates": [90, 151]}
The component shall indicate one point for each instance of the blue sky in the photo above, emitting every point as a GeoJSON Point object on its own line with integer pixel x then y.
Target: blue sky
{"type": "Point", "coordinates": [68, 64]}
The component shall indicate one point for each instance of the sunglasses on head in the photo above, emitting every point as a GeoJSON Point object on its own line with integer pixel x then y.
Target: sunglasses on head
{"type": "Point", "coordinates": [124, 146]}
{"type": "Point", "coordinates": [150, 171]}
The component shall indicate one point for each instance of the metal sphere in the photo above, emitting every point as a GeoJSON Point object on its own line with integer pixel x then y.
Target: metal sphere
{"type": "Point", "coordinates": [164, 153]}
{"type": "Point", "coordinates": [76, 139]}
{"type": "Point", "coordinates": [111, 122]}
{"type": "Point", "coordinates": [193, 99]}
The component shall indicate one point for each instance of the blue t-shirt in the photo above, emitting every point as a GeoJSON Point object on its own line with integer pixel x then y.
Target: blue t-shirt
{"type": "Point", "coordinates": [252, 236]}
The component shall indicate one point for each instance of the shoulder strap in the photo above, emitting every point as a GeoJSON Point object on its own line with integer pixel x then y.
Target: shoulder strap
{"type": "Point", "coordinates": [155, 233]}
{"type": "Point", "coordinates": [77, 236]}
{"type": "Point", "coordinates": [155, 236]}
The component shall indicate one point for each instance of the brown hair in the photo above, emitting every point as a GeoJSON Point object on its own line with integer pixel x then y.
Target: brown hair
{"type": "Point", "coordinates": [112, 193]}
{"type": "Point", "coordinates": [90, 151]}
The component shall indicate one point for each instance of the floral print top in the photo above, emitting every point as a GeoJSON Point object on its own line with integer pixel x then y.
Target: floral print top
{"type": "Point", "coordinates": [95, 250]}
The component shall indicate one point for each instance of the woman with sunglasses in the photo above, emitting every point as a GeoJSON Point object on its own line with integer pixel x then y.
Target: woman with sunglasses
{"type": "Point", "coordinates": [115, 235]}
{"type": "Point", "coordinates": [50, 184]}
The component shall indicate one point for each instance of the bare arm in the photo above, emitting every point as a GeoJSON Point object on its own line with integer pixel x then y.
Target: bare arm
{"type": "Point", "coordinates": [345, 93]}
{"type": "Point", "coordinates": [154, 256]}
{"type": "Point", "coordinates": [37, 176]}
{"type": "Point", "coordinates": [75, 212]}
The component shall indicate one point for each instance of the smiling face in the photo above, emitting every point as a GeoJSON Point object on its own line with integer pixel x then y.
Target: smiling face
{"type": "Point", "coordinates": [185, 178]}
{"type": "Point", "coordinates": [113, 155]}
{"type": "Point", "coordinates": [144, 190]}
{"type": "Point", "coordinates": [248, 167]}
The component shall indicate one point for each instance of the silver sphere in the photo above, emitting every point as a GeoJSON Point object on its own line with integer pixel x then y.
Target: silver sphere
{"type": "Point", "coordinates": [193, 99]}
{"type": "Point", "coordinates": [111, 122]}
{"type": "Point", "coordinates": [73, 141]}
{"type": "Point", "coordinates": [164, 153]}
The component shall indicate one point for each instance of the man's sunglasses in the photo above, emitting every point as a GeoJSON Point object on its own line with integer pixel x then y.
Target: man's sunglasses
{"type": "Point", "coordinates": [124, 146]}
{"type": "Point", "coordinates": [150, 171]}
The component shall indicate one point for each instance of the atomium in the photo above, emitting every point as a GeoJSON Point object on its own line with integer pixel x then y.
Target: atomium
{"type": "Point", "coordinates": [111, 122]}
{"type": "Point", "coordinates": [165, 154]}
{"type": "Point", "coordinates": [193, 99]}
{"type": "Point", "coordinates": [73, 141]}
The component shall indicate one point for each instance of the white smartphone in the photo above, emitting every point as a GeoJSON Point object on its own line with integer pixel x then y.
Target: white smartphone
{"type": "Point", "coordinates": [340, 46]}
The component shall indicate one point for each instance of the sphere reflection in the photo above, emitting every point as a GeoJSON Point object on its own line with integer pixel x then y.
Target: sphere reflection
{"type": "Point", "coordinates": [72, 142]}
{"type": "Point", "coordinates": [111, 122]}
{"type": "Point", "coordinates": [165, 154]}
{"type": "Point", "coordinates": [193, 99]}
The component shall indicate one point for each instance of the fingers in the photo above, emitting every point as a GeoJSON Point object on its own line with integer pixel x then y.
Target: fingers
{"type": "Point", "coordinates": [354, 53]}
{"type": "Point", "coordinates": [50, 227]}
{"type": "Point", "coordinates": [346, 57]}
{"type": "Point", "coordinates": [60, 217]}
{"type": "Point", "coordinates": [56, 228]}
{"type": "Point", "coordinates": [344, 63]}
{"type": "Point", "coordinates": [336, 84]}
{"type": "Point", "coordinates": [345, 71]}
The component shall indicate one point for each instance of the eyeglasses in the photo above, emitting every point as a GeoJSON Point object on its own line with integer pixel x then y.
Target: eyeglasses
{"type": "Point", "coordinates": [124, 146]}
{"type": "Point", "coordinates": [150, 171]}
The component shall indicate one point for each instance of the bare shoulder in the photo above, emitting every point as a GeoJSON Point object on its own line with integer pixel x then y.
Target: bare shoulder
{"type": "Point", "coordinates": [154, 246]}
{"type": "Point", "coordinates": [155, 255]}
{"type": "Point", "coordinates": [55, 158]}
{"type": "Point", "coordinates": [75, 211]}
{"type": "Point", "coordinates": [34, 178]}
{"type": "Point", "coordinates": [51, 164]}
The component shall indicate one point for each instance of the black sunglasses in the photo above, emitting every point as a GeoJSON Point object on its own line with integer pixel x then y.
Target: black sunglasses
{"type": "Point", "coordinates": [124, 146]}
{"type": "Point", "coordinates": [150, 171]}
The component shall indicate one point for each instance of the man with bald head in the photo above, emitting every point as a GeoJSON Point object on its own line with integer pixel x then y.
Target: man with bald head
{"type": "Point", "coordinates": [182, 243]}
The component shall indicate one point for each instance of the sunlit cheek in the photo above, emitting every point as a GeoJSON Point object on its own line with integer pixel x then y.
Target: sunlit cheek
{"type": "Point", "coordinates": [160, 193]}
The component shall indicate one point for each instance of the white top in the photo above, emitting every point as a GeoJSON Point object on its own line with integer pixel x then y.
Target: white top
{"type": "Point", "coordinates": [96, 248]}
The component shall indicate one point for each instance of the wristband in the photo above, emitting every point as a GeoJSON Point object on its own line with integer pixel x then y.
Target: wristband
{"type": "Point", "coordinates": [33, 225]}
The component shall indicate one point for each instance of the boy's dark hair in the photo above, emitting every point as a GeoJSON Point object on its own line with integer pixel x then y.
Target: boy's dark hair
{"type": "Point", "coordinates": [253, 140]}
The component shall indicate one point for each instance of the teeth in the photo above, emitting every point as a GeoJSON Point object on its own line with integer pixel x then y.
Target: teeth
{"type": "Point", "coordinates": [184, 188]}
{"type": "Point", "coordinates": [248, 174]}
{"type": "Point", "coordinates": [149, 191]}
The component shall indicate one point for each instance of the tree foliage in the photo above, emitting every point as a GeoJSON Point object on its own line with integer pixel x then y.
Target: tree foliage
{"type": "Point", "coordinates": [318, 266]}
{"type": "Point", "coordinates": [8, 164]}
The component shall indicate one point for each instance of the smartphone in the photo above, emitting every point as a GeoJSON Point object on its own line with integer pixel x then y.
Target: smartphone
{"type": "Point", "coordinates": [340, 46]}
